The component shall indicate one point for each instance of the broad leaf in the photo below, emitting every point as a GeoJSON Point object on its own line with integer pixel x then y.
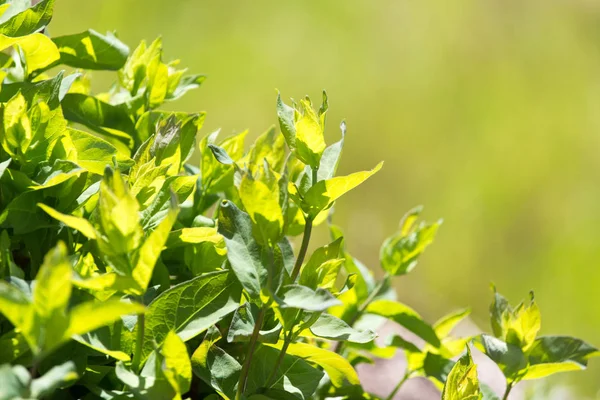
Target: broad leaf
{"type": "Point", "coordinates": [92, 50]}
{"type": "Point", "coordinates": [551, 354]}
{"type": "Point", "coordinates": [330, 327]}
{"type": "Point", "coordinates": [190, 308]}
{"type": "Point", "coordinates": [405, 316]}
{"type": "Point", "coordinates": [243, 252]}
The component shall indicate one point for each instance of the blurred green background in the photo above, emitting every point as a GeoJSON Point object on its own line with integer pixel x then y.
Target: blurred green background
{"type": "Point", "coordinates": [485, 111]}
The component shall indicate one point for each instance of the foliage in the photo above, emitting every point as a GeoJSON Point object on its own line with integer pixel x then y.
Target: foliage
{"type": "Point", "coordinates": [129, 272]}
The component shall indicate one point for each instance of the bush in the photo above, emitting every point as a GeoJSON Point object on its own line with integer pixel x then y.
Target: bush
{"type": "Point", "coordinates": [129, 272]}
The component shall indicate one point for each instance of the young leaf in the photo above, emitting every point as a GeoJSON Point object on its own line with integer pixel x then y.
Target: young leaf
{"type": "Point", "coordinates": [322, 195]}
{"type": "Point", "coordinates": [400, 252]}
{"type": "Point", "coordinates": [446, 324]}
{"type": "Point", "coordinates": [462, 383]}
{"type": "Point", "coordinates": [517, 326]}
{"type": "Point", "coordinates": [149, 252]}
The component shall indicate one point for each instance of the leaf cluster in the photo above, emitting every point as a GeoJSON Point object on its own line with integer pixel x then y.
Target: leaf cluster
{"type": "Point", "coordinates": [129, 271]}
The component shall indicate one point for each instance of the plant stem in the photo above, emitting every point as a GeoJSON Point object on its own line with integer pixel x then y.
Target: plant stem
{"type": "Point", "coordinates": [361, 309]}
{"type": "Point", "coordinates": [303, 248]}
{"type": "Point", "coordinates": [399, 385]}
{"type": "Point", "coordinates": [286, 343]}
{"type": "Point", "coordinates": [137, 356]}
{"type": "Point", "coordinates": [252, 346]}
{"type": "Point", "coordinates": [509, 387]}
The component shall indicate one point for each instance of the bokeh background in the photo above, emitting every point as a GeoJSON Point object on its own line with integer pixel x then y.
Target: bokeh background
{"type": "Point", "coordinates": [485, 111]}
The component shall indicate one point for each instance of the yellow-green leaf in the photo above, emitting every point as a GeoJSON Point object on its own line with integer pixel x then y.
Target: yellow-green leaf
{"type": "Point", "coordinates": [324, 193]}
{"type": "Point", "coordinates": [338, 369]}
{"type": "Point", "coordinates": [462, 382]}
{"type": "Point", "coordinates": [177, 366]}
{"type": "Point", "coordinates": [80, 224]}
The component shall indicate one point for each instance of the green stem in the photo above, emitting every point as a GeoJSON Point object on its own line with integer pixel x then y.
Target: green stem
{"type": "Point", "coordinates": [509, 387]}
{"type": "Point", "coordinates": [399, 385]}
{"type": "Point", "coordinates": [137, 356]}
{"type": "Point", "coordinates": [286, 343]}
{"type": "Point", "coordinates": [252, 346]}
{"type": "Point", "coordinates": [303, 248]}
{"type": "Point", "coordinates": [361, 309]}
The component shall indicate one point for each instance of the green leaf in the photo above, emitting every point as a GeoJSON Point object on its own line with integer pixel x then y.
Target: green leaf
{"type": "Point", "coordinates": [517, 326]}
{"type": "Point", "coordinates": [243, 323]}
{"type": "Point", "coordinates": [285, 114]}
{"type": "Point", "coordinates": [79, 224]}
{"type": "Point", "coordinates": [149, 252]}
{"type": "Point", "coordinates": [405, 316]}
{"type": "Point", "coordinates": [103, 341]}
{"type": "Point", "coordinates": [243, 252]}
{"type": "Point", "coordinates": [119, 220]}
{"type": "Point", "coordinates": [29, 21]}
{"type": "Point", "coordinates": [51, 296]}
{"type": "Point", "coordinates": [400, 252]}
{"type": "Point", "coordinates": [15, 306]}
{"type": "Point", "coordinates": [39, 50]}
{"type": "Point", "coordinates": [323, 266]}
{"type": "Point", "coordinates": [551, 354]}
{"type": "Point", "coordinates": [107, 119]}
{"type": "Point", "coordinates": [487, 392]}
{"type": "Point", "coordinates": [177, 365]}
{"type": "Point", "coordinates": [15, 382]}
{"type": "Point", "coordinates": [295, 375]}
{"type": "Point", "coordinates": [270, 147]}
{"type": "Point", "coordinates": [91, 152]}
{"type": "Point", "coordinates": [183, 237]}
{"type": "Point", "coordinates": [220, 154]}
{"type": "Point", "coordinates": [310, 142]}
{"type": "Point", "coordinates": [92, 50]}
{"type": "Point", "coordinates": [178, 88]}
{"type": "Point", "coordinates": [331, 157]}
{"type": "Point", "coordinates": [12, 346]}
{"type": "Point", "coordinates": [462, 383]}
{"type": "Point", "coordinates": [190, 308]}
{"type": "Point", "coordinates": [322, 195]}
{"type": "Point", "coordinates": [264, 199]}
{"type": "Point", "coordinates": [338, 369]}
{"type": "Point", "coordinates": [216, 367]}
{"type": "Point", "coordinates": [53, 379]}
{"type": "Point", "coordinates": [330, 327]}
{"type": "Point", "coordinates": [89, 316]}
{"type": "Point", "coordinates": [446, 324]}
{"type": "Point", "coordinates": [304, 298]}
{"type": "Point", "coordinates": [437, 367]}
{"type": "Point", "coordinates": [508, 357]}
